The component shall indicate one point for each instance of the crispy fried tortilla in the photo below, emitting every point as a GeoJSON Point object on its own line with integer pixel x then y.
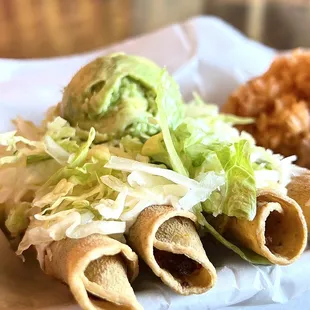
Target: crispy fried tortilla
{"type": "Point", "coordinates": [168, 242]}
{"type": "Point", "coordinates": [278, 231]}
{"type": "Point", "coordinates": [299, 190]}
{"type": "Point", "coordinates": [98, 270]}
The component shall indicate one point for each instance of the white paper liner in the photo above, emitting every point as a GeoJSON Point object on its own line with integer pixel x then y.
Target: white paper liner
{"type": "Point", "coordinates": [205, 55]}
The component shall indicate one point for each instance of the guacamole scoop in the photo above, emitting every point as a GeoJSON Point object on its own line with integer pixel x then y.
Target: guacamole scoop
{"type": "Point", "coordinates": [116, 94]}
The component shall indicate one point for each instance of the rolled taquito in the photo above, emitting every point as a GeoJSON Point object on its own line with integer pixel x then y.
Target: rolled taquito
{"type": "Point", "coordinates": [299, 190]}
{"type": "Point", "coordinates": [278, 231]}
{"type": "Point", "coordinates": [168, 242]}
{"type": "Point", "coordinates": [98, 270]}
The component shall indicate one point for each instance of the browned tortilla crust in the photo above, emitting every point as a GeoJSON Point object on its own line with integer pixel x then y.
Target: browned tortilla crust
{"type": "Point", "coordinates": [167, 229]}
{"type": "Point", "coordinates": [299, 190]}
{"type": "Point", "coordinates": [98, 270]}
{"type": "Point", "coordinates": [278, 231]}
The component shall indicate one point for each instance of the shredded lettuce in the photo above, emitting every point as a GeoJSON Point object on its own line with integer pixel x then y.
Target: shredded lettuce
{"type": "Point", "coordinates": [10, 140]}
{"type": "Point", "coordinates": [31, 159]}
{"type": "Point", "coordinates": [17, 220]}
{"type": "Point", "coordinates": [205, 141]}
{"type": "Point", "coordinates": [69, 223]}
{"type": "Point", "coordinates": [197, 108]}
{"type": "Point", "coordinates": [128, 165]}
{"type": "Point", "coordinates": [162, 100]}
{"type": "Point", "coordinates": [105, 192]}
{"type": "Point", "coordinates": [150, 175]}
{"type": "Point", "coordinates": [132, 146]}
{"type": "Point", "coordinates": [26, 165]}
{"type": "Point", "coordinates": [65, 182]}
{"type": "Point", "coordinates": [79, 157]}
{"type": "Point", "coordinates": [239, 197]}
{"type": "Point", "coordinates": [55, 151]}
{"type": "Point", "coordinates": [155, 148]}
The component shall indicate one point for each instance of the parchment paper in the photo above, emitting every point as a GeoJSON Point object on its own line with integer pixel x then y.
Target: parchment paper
{"type": "Point", "coordinates": [206, 55]}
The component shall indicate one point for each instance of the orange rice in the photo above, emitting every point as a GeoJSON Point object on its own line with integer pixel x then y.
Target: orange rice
{"type": "Point", "coordinates": [279, 100]}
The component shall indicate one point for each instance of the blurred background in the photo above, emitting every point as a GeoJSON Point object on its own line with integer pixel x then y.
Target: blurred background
{"type": "Point", "coordinates": [47, 28]}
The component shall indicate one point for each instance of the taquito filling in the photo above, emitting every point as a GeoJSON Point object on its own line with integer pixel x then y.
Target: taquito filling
{"type": "Point", "coordinates": [281, 233]}
{"type": "Point", "coordinates": [274, 223]}
{"type": "Point", "coordinates": [178, 265]}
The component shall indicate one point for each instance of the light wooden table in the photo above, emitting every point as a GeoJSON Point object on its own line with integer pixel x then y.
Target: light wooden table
{"type": "Point", "coordinates": [45, 28]}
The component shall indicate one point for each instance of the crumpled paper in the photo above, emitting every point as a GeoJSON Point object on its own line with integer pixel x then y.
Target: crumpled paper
{"type": "Point", "coordinates": [207, 56]}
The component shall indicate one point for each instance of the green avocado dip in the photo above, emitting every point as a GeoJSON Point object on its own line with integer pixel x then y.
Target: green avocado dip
{"type": "Point", "coordinates": [116, 95]}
